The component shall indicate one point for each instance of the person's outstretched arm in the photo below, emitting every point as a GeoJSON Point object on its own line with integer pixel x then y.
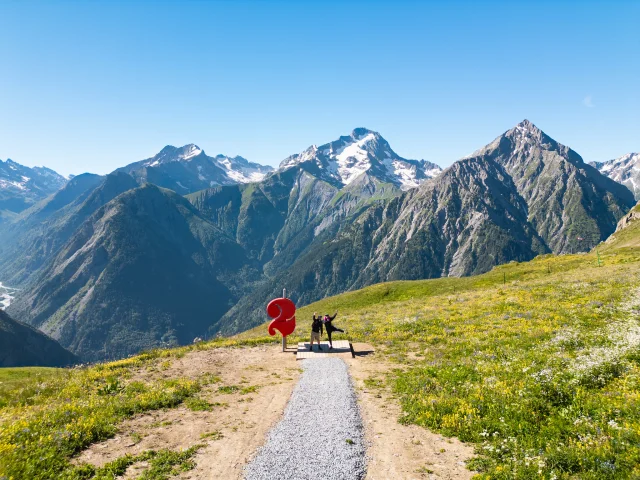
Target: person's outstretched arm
{"type": "Point", "coordinates": [334, 316]}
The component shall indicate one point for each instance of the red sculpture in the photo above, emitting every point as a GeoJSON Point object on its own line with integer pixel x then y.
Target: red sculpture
{"type": "Point", "coordinates": [283, 312]}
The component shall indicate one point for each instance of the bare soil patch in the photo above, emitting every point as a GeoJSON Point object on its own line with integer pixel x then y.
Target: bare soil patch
{"type": "Point", "coordinates": [235, 427]}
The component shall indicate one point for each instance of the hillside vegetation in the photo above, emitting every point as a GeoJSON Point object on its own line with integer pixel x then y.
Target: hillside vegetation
{"type": "Point", "coordinates": [536, 363]}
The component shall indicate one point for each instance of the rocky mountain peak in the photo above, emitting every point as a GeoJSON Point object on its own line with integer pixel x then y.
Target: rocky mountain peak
{"type": "Point", "coordinates": [343, 160]}
{"type": "Point", "coordinates": [174, 154]}
{"type": "Point", "coordinates": [188, 169]}
{"type": "Point", "coordinates": [522, 141]}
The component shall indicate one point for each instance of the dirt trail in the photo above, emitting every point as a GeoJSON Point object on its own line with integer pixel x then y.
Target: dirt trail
{"type": "Point", "coordinates": [238, 423]}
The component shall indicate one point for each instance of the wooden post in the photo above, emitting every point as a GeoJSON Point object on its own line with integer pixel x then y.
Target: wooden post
{"type": "Point", "coordinates": [284, 339]}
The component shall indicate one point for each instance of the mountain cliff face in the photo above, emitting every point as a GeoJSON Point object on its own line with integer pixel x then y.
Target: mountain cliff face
{"type": "Point", "coordinates": [464, 222]}
{"type": "Point", "coordinates": [145, 270]}
{"type": "Point", "coordinates": [21, 187]}
{"type": "Point", "coordinates": [310, 196]}
{"type": "Point", "coordinates": [43, 229]}
{"type": "Point", "coordinates": [188, 169]}
{"type": "Point", "coordinates": [624, 170]}
{"type": "Point", "coordinates": [567, 199]}
{"type": "Point", "coordinates": [522, 195]}
{"type": "Point", "coordinates": [24, 346]}
{"type": "Point", "coordinates": [278, 219]}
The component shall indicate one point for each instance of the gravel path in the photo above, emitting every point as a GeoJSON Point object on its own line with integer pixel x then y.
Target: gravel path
{"type": "Point", "coordinates": [321, 434]}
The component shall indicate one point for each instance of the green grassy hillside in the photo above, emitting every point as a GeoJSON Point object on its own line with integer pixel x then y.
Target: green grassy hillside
{"type": "Point", "coordinates": [49, 415]}
{"type": "Point", "coordinates": [23, 379]}
{"type": "Point", "coordinates": [537, 364]}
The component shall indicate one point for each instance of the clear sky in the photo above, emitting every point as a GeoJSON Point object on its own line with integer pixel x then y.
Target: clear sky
{"type": "Point", "coordinates": [90, 86]}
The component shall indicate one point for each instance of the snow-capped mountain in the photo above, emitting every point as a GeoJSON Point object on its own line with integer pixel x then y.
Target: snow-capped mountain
{"type": "Point", "coordinates": [342, 161]}
{"type": "Point", "coordinates": [22, 186]}
{"type": "Point", "coordinates": [624, 170]}
{"type": "Point", "coordinates": [188, 169]}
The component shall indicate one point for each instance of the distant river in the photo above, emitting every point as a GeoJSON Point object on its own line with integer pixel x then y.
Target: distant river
{"type": "Point", "coordinates": [6, 295]}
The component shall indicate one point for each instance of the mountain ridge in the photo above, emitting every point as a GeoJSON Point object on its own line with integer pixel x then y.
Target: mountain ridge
{"type": "Point", "coordinates": [341, 161]}
{"type": "Point", "coordinates": [188, 169]}
{"type": "Point", "coordinates": [104, 294]}
{"type": "Point", "coordinates": [22, 345]}
{"type": "Point", "coordinates": [542, 198]}
{"type": "Point", "coordinates": [301, 228]}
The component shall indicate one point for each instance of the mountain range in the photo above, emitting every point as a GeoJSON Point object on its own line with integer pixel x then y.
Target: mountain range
{"type": "Point", "coordinates": [183, 245]}
{"type": "Point", "coordinates": [21, 187]}
{"type": "Point", "coordinates": [341, 162]}
{"type": "Point", "coordinates": [522, 195]}
{"type": "Point", "coordinates": [188, 169]}
{"type": "Point", "coordinates": [624, 170]}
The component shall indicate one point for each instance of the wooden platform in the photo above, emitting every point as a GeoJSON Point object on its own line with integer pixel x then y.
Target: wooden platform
{"type": "Point", "coordinates": [339, 347]}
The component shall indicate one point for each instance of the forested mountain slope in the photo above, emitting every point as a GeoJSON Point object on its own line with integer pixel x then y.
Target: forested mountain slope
{"type": "Point", "coordinates": [144, 270]}
{"type": "Point", "coordinates": [35, 237]}
{"type": "Point", "coordinates": [22, 345]}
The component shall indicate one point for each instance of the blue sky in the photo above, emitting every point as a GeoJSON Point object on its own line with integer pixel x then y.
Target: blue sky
{"type": "Point", "coordinates": [90, 86]}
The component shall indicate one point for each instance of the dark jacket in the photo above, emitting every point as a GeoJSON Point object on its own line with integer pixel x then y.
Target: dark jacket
{"type": "Point", "coordinates": [328, 325]}
{"type": "Point", "coordinates": [317, 325]}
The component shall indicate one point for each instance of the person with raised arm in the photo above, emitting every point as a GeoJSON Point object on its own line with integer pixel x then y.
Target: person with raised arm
{"type": "Point", "coordinates": [316, 331]}
{"type": "Point", "coordinates": [330, 327]}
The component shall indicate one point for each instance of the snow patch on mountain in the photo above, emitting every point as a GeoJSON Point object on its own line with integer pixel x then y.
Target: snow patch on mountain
{"type": "Point", "coordinates": [7, 294]}
{"type": "Point", "coordinates": [172, 154]}
{"type": "Point", "coordinates": [344, 160]}
{"type": "Point", "coordinates": [624, 170]}
{"type": "Point", "coordinates": [195, 170]}
{"type": "Point", "coordinates": [33, 183]}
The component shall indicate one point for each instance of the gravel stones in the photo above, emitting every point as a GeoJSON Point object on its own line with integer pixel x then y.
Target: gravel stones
{"type": "Point", "coordinates": [321, 434]}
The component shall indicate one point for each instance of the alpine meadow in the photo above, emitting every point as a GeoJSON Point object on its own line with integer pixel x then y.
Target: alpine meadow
{"type": "Point", "coordinates": [405, 247]}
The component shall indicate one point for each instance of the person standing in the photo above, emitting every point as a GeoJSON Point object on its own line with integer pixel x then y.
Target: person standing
{"type": "Point", "coordinates": [330, 327]}
{"type": "Point", "coordinates": [316, 331]}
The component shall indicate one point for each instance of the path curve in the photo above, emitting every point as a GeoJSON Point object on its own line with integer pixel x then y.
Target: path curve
{"type": "Point", "coordinates": [321, 434]}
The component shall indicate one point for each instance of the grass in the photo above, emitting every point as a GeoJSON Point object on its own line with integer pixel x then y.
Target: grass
{"type": "Point", "coordinates": [215, 435]}
{"type": "Point", "coordinates": [198, 405]}
{"type": "Point", "coordinates": [537, 364]}
{"type": "Point", "coordinates": [25, 379]}
{"type": "Point", "coordinates": [49, 415]}
{"type": "Point", "coordinates": [163, 464]}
